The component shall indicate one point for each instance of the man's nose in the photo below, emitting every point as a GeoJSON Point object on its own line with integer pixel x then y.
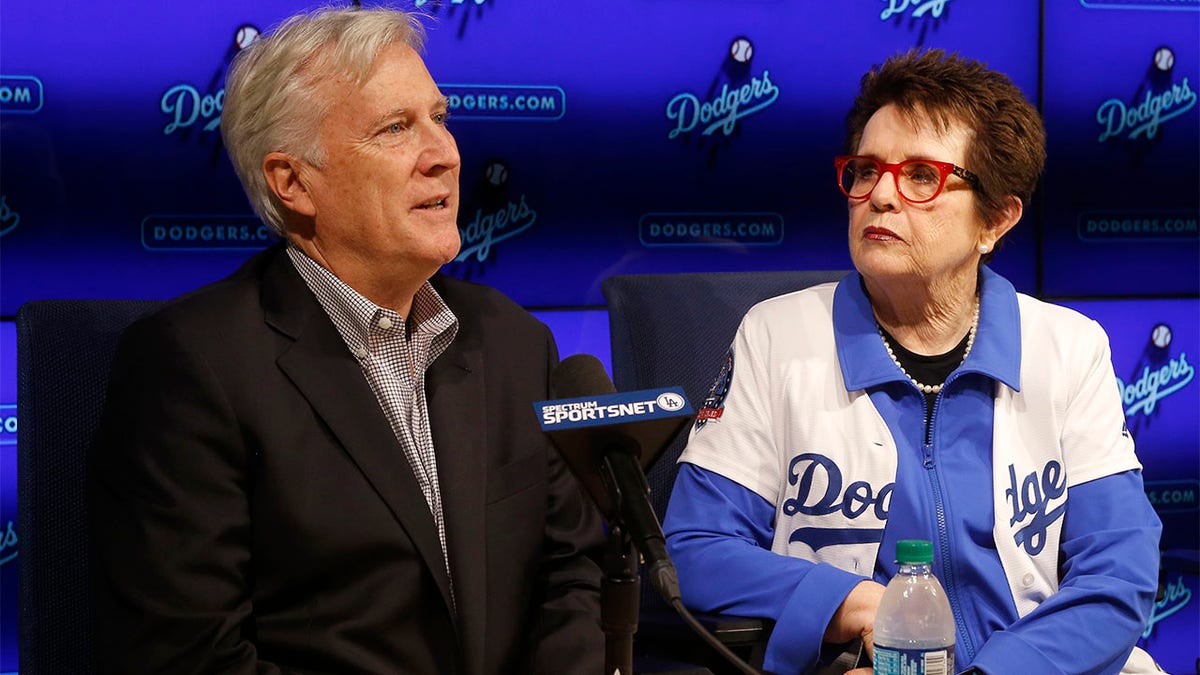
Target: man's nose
{"type": "Point", "coordinates": [440, 150]}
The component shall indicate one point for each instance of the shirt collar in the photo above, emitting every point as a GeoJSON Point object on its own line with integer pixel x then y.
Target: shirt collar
{"type": "Point", "coordinates": [354, 315]}
{"type": "Point", "coordinates": [865, 363]}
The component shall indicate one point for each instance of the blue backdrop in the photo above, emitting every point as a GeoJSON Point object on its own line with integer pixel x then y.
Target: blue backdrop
{"type": "Point", "coordinates": [633, 136]}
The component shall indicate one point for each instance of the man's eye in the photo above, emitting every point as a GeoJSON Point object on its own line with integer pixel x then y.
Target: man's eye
{"type": "Point", "coordinates": [395, 128]}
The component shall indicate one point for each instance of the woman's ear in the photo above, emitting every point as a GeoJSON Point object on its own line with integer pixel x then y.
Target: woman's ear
{"type": "Point", "coordinates": [1009, 216]}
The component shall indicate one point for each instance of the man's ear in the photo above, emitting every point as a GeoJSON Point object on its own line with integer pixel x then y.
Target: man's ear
{"type": "Point", "coordinates": [282, 172]}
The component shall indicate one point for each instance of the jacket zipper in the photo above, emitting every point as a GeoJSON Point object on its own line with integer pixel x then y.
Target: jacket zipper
{"type": "Point", "coordinates": [943, 532]}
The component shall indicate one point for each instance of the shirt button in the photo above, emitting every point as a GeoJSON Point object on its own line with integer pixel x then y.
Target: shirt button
{"type": "Point", "coordinates": [1027, 580]}
{"type": "Point", "coordinates": [361, 352]}
{"type": "Point", "coordinates": [385, 323]}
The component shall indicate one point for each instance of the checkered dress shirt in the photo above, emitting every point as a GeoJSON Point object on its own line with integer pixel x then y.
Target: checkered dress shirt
{"type": "Point", "coordinates": [394, 355]}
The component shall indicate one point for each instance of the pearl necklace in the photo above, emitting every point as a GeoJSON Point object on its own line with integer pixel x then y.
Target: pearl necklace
{"type": "Point", "coordinates": [931, 388]}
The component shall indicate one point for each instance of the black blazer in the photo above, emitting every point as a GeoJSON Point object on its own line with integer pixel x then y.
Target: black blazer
{"type": "Point", "coordinates": [253, 511]}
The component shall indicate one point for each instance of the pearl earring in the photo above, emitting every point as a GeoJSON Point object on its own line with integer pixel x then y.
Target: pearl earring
{"type": "Point", "coordinates": [983, 248]}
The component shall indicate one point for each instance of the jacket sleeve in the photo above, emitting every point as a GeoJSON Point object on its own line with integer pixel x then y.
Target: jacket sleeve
{"type": "Point", "coordinates": [170, 516]}
{"type": "Point", "coordinates": [1108, 553]}
{"type": "Point", "coordinates": [1109, 577]}
{"type": "Point", "coordinates": [567, 625]}
{"type": "Point", "coordinates": [719, 535]}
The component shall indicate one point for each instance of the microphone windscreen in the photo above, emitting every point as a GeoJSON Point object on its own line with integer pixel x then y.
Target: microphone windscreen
{"type": "Point", "coordinates": [580, 375]}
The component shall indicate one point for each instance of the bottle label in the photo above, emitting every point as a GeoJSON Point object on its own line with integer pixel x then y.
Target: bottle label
{"type": "Point", "coordinates": [890, 661]}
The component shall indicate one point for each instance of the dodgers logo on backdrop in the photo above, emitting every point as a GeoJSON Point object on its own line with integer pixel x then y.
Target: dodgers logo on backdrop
{"type": "Point", "coordinates": [20, 95]}
{"type": "Point", "coordinates": [819, 492]}
{"type": "Point", "coordinates": [492, 214]}
{"type": "Point", "coordinates": [1162, 96]}
{"type": "Point", "coordinates": [1176, 596]}
{"type": "Point", "coordinates": [197, 232]}
{"type": "Point", "coordinates": [918, 8]}
{"type": "Point", "coordinates": [505, 102]}
{"type": "Point", "coordinates": [9, 218]}
{"type": "Point", "coordinates": [1036, 502]}
{"type": "Point", "coordinates": [8, 424]}
{"type": "Point", "coordinates": [1172, 496]}
{"type": "Point", "coordinates": [734, 94]}
{"type": "Point", "coordinates": [1147, 224]}
{"type": "Point", "coordinates": [1170, 5]}
{"type": "Point", "coordinates": [710, 229]}
{"type": "Point", "coordinates": [8, 543]}
{"type": "Point", "coordinates": [187, 105]}
{"type": "Point", "coordinates": [1157, 375]}
{"type": "Point", "coordinates": [488, 229]}
{"type": "Point", "coordinates": [466, 7]}
{"type": "Point", "coordinates": [714, 404]}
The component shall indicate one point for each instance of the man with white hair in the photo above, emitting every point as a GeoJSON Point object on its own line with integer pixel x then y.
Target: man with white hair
{"type": "Point", "coordinates": [328, 462]}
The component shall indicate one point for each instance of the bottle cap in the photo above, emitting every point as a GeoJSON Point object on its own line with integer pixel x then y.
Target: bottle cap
{"type": "Point", "coordinates": [914, 551]}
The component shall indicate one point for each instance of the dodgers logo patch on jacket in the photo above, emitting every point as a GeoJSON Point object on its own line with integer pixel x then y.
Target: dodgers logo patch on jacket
{"type": "Point", "coordinates": [828, 509]}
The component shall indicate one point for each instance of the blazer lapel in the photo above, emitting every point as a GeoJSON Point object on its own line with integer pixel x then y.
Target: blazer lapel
{"type": "Point", "coordinates": [454, 390]}
{"type": "Point", "coordinates": [322, 368]}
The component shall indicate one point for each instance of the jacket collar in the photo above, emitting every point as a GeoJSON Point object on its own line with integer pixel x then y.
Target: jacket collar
{"type": "Point", "coordinates": [865, 363]}
{"type": "Point", "coordinates": [320, 365]}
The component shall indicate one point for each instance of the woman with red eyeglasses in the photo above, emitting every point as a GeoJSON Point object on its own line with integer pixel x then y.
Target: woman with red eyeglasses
{"type": "Point", "coordinates": [922, 397]}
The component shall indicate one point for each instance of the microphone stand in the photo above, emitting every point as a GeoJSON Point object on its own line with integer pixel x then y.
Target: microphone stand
{"type": "Point", "coordinates": [619, 601]}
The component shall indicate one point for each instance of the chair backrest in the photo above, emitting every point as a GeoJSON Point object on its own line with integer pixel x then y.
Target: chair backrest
{"type": "Point", "coordinates": [674, 329]}
{"type": "Point", "coordinates": [64, 354]}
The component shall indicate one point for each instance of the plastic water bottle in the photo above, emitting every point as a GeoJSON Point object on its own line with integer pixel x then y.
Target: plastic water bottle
{"type": "Point", "coordinates": [914, 629]}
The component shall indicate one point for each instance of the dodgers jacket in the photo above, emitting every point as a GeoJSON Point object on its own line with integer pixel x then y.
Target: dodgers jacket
{"type": "Point", "coordinates": [810, 460]}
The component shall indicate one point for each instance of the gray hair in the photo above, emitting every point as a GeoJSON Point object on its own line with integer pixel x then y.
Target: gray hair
{"type": "Point", "coordinates": [272, 102]}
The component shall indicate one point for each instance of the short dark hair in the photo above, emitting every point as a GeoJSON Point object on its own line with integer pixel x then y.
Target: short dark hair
{"type": "Point", "coordinates": [1008, 150]}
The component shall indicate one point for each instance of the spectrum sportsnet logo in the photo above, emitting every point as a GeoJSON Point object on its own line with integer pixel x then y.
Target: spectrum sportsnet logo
{"type": "Point", "coordinates": [1159, 99]}
{"type": "Point", "coordinates": [21, 95]}
{"type": "Point", "coordinates": [186, 106]}
{"type": "Point", "coordinates": [918, 8]}
{"type": "Point", "coordinates": [505, 102]}
{"type": "Point", "coordinates": [741, 95]}
{"type": "Point", "coordinates": [631, 406]}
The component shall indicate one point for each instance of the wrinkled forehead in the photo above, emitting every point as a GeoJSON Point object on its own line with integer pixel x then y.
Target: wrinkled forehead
{"type": "Point", "coordinates": [937, 120]}
{"type": "Point", "coordinates": [916, 131]}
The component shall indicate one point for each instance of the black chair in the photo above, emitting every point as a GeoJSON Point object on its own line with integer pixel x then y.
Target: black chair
{"type": "Point", "coordinates": [673, 330]}
{"type": "Point", "coordinates": [64, 353]}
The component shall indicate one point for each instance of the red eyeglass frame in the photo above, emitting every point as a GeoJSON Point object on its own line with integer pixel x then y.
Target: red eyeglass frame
{"type": "Point", "coordinates": [945, 169]}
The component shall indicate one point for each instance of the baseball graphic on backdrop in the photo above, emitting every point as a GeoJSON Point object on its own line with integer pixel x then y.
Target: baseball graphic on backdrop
{"type": "Point", "coordinates": [741, 50]}
{"type": "Point", "coordinates": [496, 173]}
{"type": "Point", "coordinates": [1161, 336]}
{"type": "Point", "coordinates": [1164, 58]}
{"type": "Point", "coordinates": [245, 35]}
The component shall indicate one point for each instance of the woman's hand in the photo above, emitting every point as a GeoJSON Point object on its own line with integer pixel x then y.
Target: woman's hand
{"type": "Point", "coordinates": [855, 618]}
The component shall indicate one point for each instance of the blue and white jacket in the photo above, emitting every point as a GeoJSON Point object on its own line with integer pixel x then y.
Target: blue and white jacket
{"type": "Point", "coordinates": [809, 461]}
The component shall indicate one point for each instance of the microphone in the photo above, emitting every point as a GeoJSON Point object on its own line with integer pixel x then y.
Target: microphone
{"type": "Point", "coordinates": [608, 440]}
